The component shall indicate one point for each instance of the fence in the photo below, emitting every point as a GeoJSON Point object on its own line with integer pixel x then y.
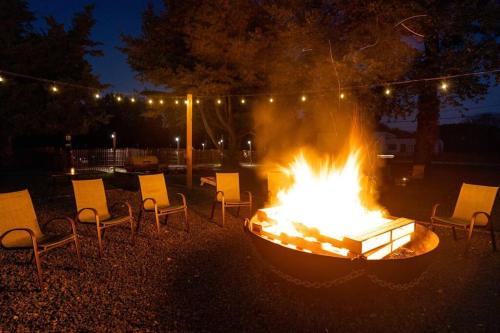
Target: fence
{"type": "Point", "coordinates": [101, 158]}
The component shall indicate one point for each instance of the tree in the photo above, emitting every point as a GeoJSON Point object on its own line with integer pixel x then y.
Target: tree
{"type": "Point", "coordinates": [56, 54]}
{"type": "Point", "coordinates": [229, 48]}
{"type": "Point", "coordinates": [456, 37]}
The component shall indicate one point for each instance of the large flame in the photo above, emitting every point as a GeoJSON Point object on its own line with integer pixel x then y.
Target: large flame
{"type": "Point", "coordinates": [328, 198]}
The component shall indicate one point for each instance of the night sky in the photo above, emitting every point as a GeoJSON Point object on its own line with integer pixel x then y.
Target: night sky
{"type": "Point", "coordinates": [116, 17]}
{"type": "Point", "coordinates": [113, 18]}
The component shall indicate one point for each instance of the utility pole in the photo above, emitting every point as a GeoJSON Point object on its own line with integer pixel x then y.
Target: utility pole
{"type": "Point", "coordinates": [189, 141]}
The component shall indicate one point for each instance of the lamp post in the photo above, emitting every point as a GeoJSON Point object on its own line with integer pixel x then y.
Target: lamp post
{"type": "Point", "coordinates": [113, 138]}
{"type": "Point", "coordinates": [250, 147]}
{"type": "Point", "coordinates": [177, 140]}
{"type": "Point", "coordinates": [203, 146]}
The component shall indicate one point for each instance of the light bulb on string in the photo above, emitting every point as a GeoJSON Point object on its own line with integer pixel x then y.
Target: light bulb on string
{"type": "Point", "coordinates": [97, 96]}
{"type": "Point", "coordinates": [176, 101]}
{"type": "Point", "coordinates": [161, 101]}
{"type": "Point", "coordinates": [186, 101]}
{"type": "Point", "coordinates": [387, 91]}
{"type": "Point", "coordinates": [54, 88]}
{"type": "Point", "coordinates": [132, 99]}
{"type": "Point", "coordinates": [444, 86]}
{"type": "Point", "coordinates": [150, 101]}
{"type": "Point", "coordinates": [2, 80]}
{"type": "Point", "coordinates": [342, 95]}
{"type": "Point", "coordinates": [219, 101]}
{"type": "Point", "coordinates": [303, 98]}
{"type": "Point", "coordinates": [243, 101]}
{"type": "Point", "coordinates": [118, 98]}
{"type": "Point", "coordinates": [197, 101]}
{"type": "Point", "coordinates": [271, 100]}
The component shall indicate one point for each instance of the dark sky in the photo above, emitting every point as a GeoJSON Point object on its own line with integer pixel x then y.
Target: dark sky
{"type": "Point", "coordinates": [115, 17]}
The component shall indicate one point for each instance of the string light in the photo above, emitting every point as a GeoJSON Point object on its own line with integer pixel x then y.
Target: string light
{"type": "Point", "coordinates": [186, 101]}
{"type": "Point", "coordinates": [161, 101]}
{"type": "Point", "coordinates": [97, 96]}
{"type": "Point", "coordinates": [150, 101]}
{"type": "Point", "coordinates": [387, 91]}
{"type": "Point", "coordinates": [243, 101]}
{"type": "Point", "coordinates": [342, 95]}
{"type": "Point", "coordinates": [54, 88]}
{"type": "Point", "coordinates": [303, 98]}
{"type": "Point", "coordinates": [2, 79]}
{"type": "Point", "coordinates": [219, 101]}
{"type": "Point", "coordinates": [118, 98]}
{"type": "Point", "coordinates": [176, 101]}
{"type": "Point", "coordinates": [197, 101]}
{"type": "Point", "coordinates": [132, 99]}
{"type": "Point", "coordinates": [271, 100]}
{"type": "Point", "coordinates": [444, 86]}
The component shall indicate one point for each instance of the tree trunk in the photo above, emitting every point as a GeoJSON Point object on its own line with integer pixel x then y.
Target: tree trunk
{"type": "Point", "coordinates": [427, 124]}
{"type": "Point", "coordinates": [231, 159]}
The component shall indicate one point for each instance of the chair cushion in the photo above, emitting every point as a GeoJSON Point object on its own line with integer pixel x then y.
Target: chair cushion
{"type": "Point", "coordinates": [16, 211]}
{"type": "Point", "coordinates": [90, 194]}
{"type": "Point", "coordinates": [451, 220]}
{"type": "Point", "coordinates": [229, 184]}
{"type": "Point", "coordinates": [154, 186]}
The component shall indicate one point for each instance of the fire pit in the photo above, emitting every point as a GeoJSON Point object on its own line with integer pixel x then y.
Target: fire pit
{"type": "Point", "coordinates": [322, 232]}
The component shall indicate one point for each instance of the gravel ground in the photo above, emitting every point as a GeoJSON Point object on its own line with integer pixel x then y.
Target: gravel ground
{"type": "Point", "coordinates": [212, 280]}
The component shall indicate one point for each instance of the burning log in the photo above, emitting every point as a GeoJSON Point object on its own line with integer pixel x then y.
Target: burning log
{"type": "Point", "coordinates": [373, 244]}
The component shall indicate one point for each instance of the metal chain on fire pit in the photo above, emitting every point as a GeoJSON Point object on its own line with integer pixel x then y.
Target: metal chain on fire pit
{"type": "Point", "coordinates": [396, 286]}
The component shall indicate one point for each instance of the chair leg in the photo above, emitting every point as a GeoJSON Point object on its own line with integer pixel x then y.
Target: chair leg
{"type": "Point", "coordinates": [99, 239]}
{"type": "Point", "coordinates": [139, 220]}
{"type": "Point", "coordinates": [213, 210]}
{"type": "Point", "coordinates": [454, 233]}
{"type": "Point", "coordinates": [157, 219]}
{"type": "Point", "coordinates": [223, 214]}
{"type": "Point", "coordinates": [166, 219]}
{"type": "Point", "coordinates": [238, 211]}
{"type": "Point", "coordinates": [77, 248]}
{"type": "Point", "coordinates": [492, 233]}
{"type": "Point", "coordinates": [469, 236]}
{"type": "Point", "coordinates": [132, 230]}
{"type": "Point", "coordinates": [186, 219]}
{"type": "Point", "coordinates": [38, 267]}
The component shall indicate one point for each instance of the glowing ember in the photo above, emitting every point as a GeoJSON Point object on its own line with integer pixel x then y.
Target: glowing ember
{"type": "Point", "coordinates": [324, 210]}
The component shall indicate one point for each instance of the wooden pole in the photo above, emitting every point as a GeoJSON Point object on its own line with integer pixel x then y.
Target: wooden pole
{"type": "Point", "coordinates": [189, 141]}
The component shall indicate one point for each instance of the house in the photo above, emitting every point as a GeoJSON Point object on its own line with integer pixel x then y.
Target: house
{"type": "Point", "coordinates": [390, 143]}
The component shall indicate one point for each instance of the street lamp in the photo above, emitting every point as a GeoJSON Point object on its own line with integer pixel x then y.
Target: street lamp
{"type": "Point", "coordinates": [113, 137]}
{"type": "Point", "coordinates": [250, 146]}
{"type": "Point", "coordinates": [177, 152]}
{"type": "Point", "coordinates": [203, 146]}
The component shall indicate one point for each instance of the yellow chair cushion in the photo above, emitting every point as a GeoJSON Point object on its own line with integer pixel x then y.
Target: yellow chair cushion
{"type": "Point", "coordinates": [475, 198]}
{"type": "Point", "coordinates": [229, 183]}
{"type": "Point", "coordinates": [154, 186]}
{"type": "Point", "coordinates": [16, 211]}
{"type": "Point", "coordinates": [91, 194]}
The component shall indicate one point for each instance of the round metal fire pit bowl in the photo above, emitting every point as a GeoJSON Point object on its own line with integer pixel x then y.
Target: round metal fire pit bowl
{"type": "Point", "coordinates": [298, 265]}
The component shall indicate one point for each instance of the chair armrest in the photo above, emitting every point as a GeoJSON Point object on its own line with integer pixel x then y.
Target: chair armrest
{"type": "Point", "coordinates": [29, 231]}
{"type": "Point", "coordinates": [249, 195]}
{"type": "Point", "coordinates": [183, 197]}
{"type": "Point", "coordinates": [476, 214]}
{"type": "Point", "coordinates": [122, 204]}
{"type": "Point", "coordinates": [149, 199]}
{"type": "Point", "coordinates": [217, 194]}
{"type": "Point", "coordinates": [63, 218]}
{"type": "Point", "coordinates": [434, 209]}
{"type": "Point", "coordinates": [93, 210]}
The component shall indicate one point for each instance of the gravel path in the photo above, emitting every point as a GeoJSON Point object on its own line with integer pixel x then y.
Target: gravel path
{"type": "Point", "coordinates": [212, 280]}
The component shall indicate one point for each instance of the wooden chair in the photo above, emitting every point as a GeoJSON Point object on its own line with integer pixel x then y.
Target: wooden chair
{"type": "Point", "coordinates": [276, 181]}
{"type": "Point", "coordinates": [228, 194]}
{"type": "Point", "coordinates": [473, 209]}
{"type": "Point", "coordinates": [19, 228]}
{"type": "Point", "coordinates": [155, 199]}
{"type": "Point", "coordinates": [92, 208]}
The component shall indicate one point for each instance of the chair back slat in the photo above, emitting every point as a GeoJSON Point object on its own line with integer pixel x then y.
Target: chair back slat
{"type": "Point", "coordinates": [229, 183]}
{"type": "Point", "coordinates": [16, 211]}
{"type": "Point", "coordinates": [475, 198]}
{"type": "Point", "coordinates": [90, 194]}
{"type": "Point", "coordinates": [154, 186]}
